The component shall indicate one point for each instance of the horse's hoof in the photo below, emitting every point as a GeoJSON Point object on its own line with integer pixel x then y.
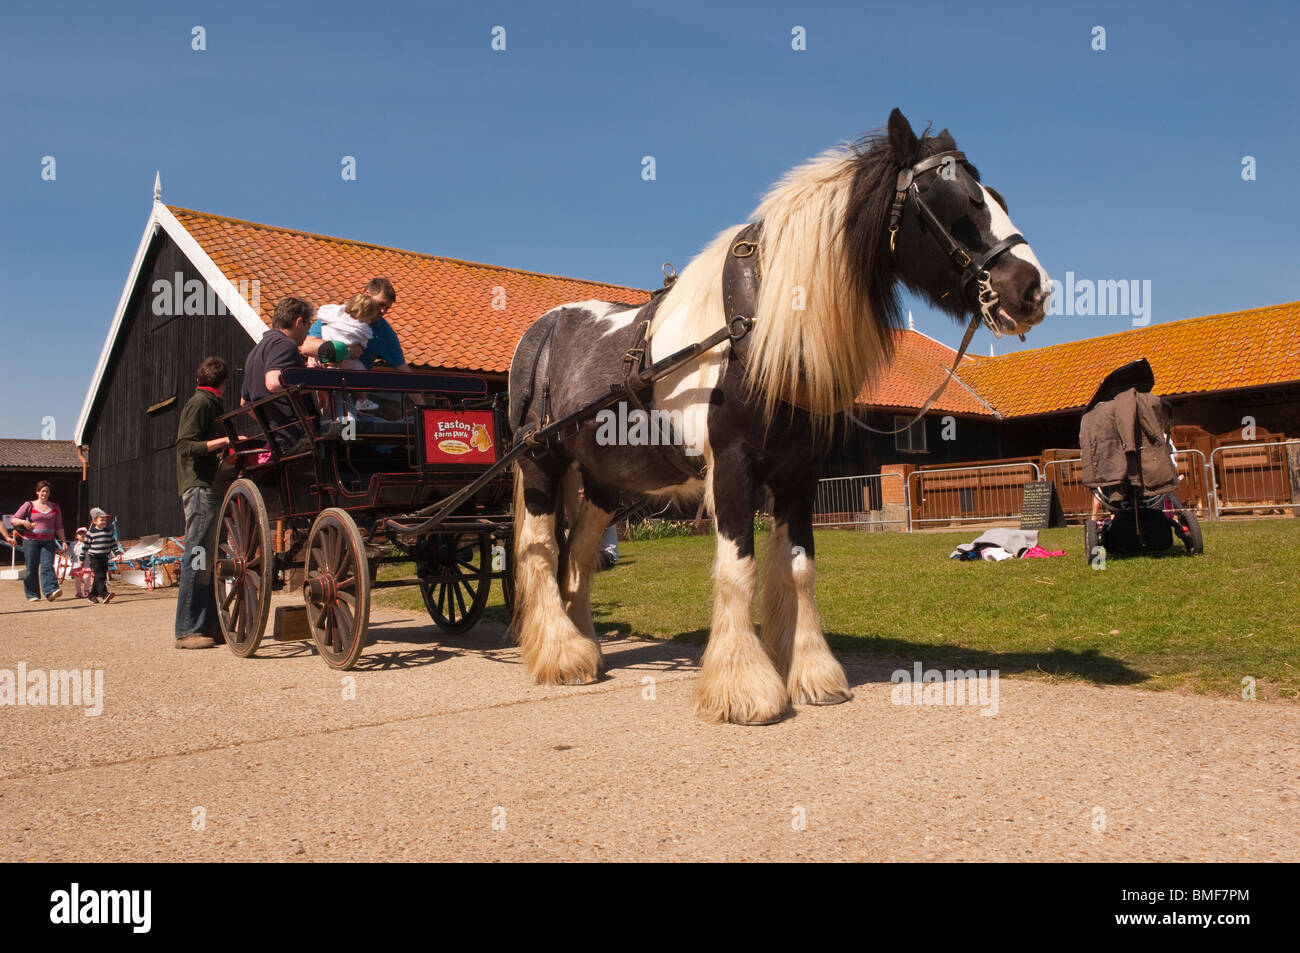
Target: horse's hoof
{"type": "Point", "coordinates": [759, 724]}
{"type": "Point", "coordinates": [830, 700]}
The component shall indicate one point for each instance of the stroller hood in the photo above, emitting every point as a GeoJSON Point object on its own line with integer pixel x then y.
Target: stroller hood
{"type": "Point", "coordinates": [1124, 435]}
{"type": "Point", "coordinates": [1137, 374]}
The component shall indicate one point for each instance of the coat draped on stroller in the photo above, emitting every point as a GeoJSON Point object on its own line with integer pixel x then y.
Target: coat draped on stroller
{"type": "Point", "coordinates": [1124, 443]}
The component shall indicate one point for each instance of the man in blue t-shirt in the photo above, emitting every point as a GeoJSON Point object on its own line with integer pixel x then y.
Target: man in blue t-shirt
{"type": "Point", "coordinates": [383, 345]}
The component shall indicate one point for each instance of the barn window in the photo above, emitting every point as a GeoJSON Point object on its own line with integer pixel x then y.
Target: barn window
{"type": "Point", "coordinates": [911, 440]}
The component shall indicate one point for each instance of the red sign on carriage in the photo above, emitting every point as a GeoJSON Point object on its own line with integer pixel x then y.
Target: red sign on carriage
{"type": "Point", "coordinates": [459, 436]}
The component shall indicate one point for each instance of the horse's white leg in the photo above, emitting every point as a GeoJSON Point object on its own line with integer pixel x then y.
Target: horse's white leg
{"type": "Point", "coordinates": [554, 651]}
{"type": "Point", "coordinates": [585, 532]}
{"type": "Point", "coordinates": [792, 628]}
{"type": "Point", "coordinates": [738, 682]}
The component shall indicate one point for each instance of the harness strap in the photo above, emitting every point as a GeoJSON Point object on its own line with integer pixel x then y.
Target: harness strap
{"type": "Point", "coordinates": [741, 275]}
{"type": "Point", "coordinates": [638, 387]}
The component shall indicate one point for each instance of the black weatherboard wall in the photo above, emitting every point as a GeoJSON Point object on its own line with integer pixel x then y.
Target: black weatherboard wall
{"type": "Point", "coordinates": [132, 471]}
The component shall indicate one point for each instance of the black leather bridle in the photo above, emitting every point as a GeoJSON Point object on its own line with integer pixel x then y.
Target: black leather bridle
{"type": "Point", "coordinates": [973, 266]}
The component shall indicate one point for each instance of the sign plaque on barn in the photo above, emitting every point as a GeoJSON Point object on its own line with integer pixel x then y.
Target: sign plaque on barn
{"type": "Point", "coordinates": [1041, 507]}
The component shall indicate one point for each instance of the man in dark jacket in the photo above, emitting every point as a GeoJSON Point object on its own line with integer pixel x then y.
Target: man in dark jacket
{"type": "Point", "coordinates": [199, 442]}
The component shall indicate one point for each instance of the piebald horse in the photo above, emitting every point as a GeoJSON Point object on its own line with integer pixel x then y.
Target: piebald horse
{"type": "Point", "coordinates": [833, 240]}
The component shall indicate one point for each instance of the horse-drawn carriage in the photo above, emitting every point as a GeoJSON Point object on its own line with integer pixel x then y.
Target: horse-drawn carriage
{"type": "Point", "coordinates": [342, 472]}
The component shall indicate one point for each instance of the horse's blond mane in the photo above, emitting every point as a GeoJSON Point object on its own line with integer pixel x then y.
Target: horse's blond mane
{"type": "Point", "coordinates": [815, 341]}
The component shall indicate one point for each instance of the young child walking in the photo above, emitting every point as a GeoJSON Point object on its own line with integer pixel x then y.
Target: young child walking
{"type": "Point", "coordinates": [77, 567]}
{"type": "Point", "coordinates": [99, 546]}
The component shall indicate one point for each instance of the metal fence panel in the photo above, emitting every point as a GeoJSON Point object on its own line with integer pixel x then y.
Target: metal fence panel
{"type": "Point", "coordinates": [868, 501]}
{"type": "Point", "coordinates": [1263, 478]}
{"type": "Point", "coordinates": [970, 494]}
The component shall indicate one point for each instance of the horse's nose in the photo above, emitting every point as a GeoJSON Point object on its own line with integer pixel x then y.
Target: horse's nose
{"type": "Point", "coordinates": [1034, 302]}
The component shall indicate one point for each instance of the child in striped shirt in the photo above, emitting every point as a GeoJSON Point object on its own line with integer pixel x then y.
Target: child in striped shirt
{"type": "Point", "coordinates": [99, 545]}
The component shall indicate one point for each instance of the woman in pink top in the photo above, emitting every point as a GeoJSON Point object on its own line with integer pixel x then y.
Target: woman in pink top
{"type": "Point", "coordinates": [42, 524]}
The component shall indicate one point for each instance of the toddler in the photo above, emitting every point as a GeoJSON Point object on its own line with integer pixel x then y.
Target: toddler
{"type": "Point", "coordinates": [100, 544]}
{"type": "Point", "coordinates": [349, 323]}
{"type": "Point", "coordinates": [77, 568]}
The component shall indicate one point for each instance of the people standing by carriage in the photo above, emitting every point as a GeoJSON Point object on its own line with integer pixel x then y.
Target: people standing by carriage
{"type": "Point", "coordinates": [383, 344]}
{"type": "Point", "coordinates": [199, 443]}
{"type": "Point", "coordinates": [41, 521]}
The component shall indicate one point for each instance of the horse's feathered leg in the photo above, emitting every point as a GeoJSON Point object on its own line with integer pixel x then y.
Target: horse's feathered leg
{"type": "Point", "coordinates": [587, 522]}
{"type": "Point", "coordinates": [738, 682]}
{"type": "Point", "coordinates": [554, 651]}
{"type": "Point", "coordinates": [792, 628]}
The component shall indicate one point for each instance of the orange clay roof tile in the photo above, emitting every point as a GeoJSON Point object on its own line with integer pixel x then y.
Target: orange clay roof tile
{"type": "Point", "coordinates": [1218, 352]}
{"type": "Point", "coordinates": [919, 365]}
{"type": "Point", "coordinates": [444, 314]}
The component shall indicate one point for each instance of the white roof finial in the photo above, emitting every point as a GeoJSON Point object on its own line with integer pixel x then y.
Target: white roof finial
{"type": "Point", "coordinates": [910, 325]}
{"type": "Point", "coordinates": [157, 186]}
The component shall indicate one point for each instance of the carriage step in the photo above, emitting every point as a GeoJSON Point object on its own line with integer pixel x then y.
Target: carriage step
{"type": "Point", "coordinates": [290, 624]}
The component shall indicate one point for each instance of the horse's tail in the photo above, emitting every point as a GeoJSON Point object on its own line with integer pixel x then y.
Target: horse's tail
{"type": "Point", "coordinates": [517, 513]}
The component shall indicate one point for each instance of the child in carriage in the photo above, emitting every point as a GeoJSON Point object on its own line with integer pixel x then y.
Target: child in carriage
{"type": "Point", "coordinates": [347, 323]}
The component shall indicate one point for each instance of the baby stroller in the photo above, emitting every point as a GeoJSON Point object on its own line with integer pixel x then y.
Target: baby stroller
{"type": "Point", "coordinates": [1124, 443]}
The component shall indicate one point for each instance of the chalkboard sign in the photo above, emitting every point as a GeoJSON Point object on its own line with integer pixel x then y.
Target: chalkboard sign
{"type": "Point", "coordinates": [1041, 507]}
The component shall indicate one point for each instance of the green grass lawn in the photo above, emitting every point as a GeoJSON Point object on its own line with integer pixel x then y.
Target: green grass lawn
{"type": "Point", "coordinates": [1195, 623]}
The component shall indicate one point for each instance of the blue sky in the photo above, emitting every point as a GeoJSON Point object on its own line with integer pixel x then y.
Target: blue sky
{"type": "Point", "coordinates": [1117, 164]}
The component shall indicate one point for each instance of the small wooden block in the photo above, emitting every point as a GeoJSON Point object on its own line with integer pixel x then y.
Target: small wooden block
{"type": "Point", "coordinates": [290, 624]}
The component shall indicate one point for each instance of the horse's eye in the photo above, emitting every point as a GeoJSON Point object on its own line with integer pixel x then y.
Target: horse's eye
{"type": "Point", "coordinates": [997, 197]}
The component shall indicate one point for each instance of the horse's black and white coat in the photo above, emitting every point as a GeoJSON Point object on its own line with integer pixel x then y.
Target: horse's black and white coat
{"type": "Point", "coordinates": [822, 326]}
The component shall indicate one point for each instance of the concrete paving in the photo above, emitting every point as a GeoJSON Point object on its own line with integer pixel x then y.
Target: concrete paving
{"type": "Point", "coordinates": [447, 753]}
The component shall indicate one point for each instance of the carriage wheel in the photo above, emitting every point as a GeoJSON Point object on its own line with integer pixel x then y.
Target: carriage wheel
{"type": "Point", "coordinates": [245, 566]}
{"type": "Point", "coordinates": [1188, 528]}
{"type": "Point", "coordinates": [456, 578]}
{"type": "Point", "coordinates": [336, 588]}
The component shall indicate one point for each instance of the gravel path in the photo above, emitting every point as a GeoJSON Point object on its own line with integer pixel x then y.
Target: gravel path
{"type": "Point", "coordinates": [447, 753]}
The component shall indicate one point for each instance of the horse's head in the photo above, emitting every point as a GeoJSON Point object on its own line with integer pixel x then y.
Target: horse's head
{"type": "Point", "coordinates": [949, 237]}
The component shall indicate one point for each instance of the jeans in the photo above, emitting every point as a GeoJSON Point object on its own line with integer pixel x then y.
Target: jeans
{"type": "Point", "coordinates": [196, 607]}
{"type": "Point", "coordinates": [39, 553]}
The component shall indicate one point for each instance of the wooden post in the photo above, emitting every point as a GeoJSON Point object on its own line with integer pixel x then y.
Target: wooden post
{"type": "Point", "coordinates": [1293, 473]}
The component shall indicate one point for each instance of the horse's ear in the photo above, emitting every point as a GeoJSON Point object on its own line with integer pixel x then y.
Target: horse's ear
{"type": "Point", "coordinates": [945, 141]}
{"type": "Point", "coordinates": [901, 137]}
